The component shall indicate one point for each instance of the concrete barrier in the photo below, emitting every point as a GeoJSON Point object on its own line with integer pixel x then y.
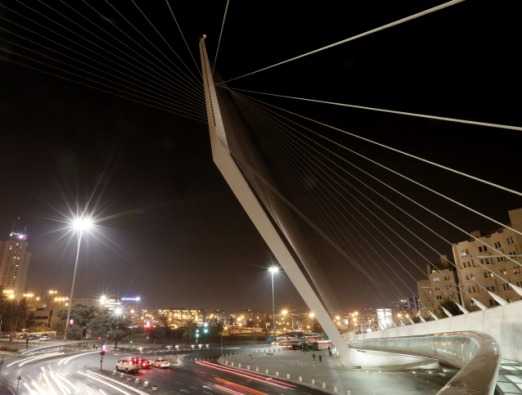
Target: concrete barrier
{"type": "Point", "coordinates": [475, 354]}
{"type": "Point", "coordinates": [503, 323]}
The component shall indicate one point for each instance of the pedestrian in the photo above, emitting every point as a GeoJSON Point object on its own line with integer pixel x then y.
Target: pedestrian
{"type": "Point", "coordinates": [320, 358]}
{"type": "Point", "coordinates": [330, 351]}
{"type": "Point", "coordinates": [313, 356]}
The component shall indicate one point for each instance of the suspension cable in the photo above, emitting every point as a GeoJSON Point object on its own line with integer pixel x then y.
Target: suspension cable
{"type": "Point", "coordinates": [182, 35]}
{"type": "Point", "coordinates": [352, 38]}
{"type": "Point", "coordinates": [220, 35]}
{"type": "Point", "coordinates": [389, 111]}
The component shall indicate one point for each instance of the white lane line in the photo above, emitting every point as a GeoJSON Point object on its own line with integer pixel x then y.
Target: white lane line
{"type": "Point", "coordinates": [66, 360]}
{"type": "Point", "coordinates": [119, 383]}
{"type": "Point", "coordinates": [105, 383]}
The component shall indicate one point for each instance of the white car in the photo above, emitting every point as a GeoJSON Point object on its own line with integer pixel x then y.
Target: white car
{"type": "Point", "coordinates": [127, 365]}
{"type": "Point", "coordinates": [161, 363]}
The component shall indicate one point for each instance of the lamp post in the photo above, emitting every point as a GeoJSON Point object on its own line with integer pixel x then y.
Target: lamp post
{"type": "Point", "coordinates": [273, 270]}
{"type": "Point", "coordinates": [79, 225]}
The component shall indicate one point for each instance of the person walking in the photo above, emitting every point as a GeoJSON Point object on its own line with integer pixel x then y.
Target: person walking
{"type": "Point", "coordinates": [320, 358]}
{"type": "Point", "coordinates": [313, 356]}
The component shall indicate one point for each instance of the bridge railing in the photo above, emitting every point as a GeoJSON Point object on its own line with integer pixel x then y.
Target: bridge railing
{"type": "Point", "coordinates": [476, 355]}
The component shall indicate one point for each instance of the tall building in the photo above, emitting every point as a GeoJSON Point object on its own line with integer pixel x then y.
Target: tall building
{"type": "Point", "coordinates": [440, 288]}
{"type": "Point", "coordinates": [476, 262]}
{"type": "Point", "coordinates": [14, 263]}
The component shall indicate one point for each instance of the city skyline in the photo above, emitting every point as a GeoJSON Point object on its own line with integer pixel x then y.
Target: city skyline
{"type": "Point", "coordinates": [156, 168]}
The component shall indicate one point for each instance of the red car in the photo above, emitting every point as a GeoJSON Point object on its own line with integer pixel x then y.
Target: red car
{"type": "Point", "coordinates": [142, 362]}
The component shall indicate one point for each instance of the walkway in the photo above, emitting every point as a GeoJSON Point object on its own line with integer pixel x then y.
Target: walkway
{"type": "Point", "coordinates": [403, 375]}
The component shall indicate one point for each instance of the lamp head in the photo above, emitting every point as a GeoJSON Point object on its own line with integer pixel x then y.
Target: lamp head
{"type": "Point", "coordinates": [273, 269]}
{"type": "Point", "coordinates": [82, 224]}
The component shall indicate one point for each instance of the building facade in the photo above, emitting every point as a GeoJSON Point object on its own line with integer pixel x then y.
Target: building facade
{"type": "Point", "coordinates": [439, 289]}
{"type": "Point", "coordinates": [477, 263]}
{"type": "Point", "coordinates": [15, 259]}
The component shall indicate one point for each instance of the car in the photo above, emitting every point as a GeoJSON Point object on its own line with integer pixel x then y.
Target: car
{"type": "Point", "coordinates": [127, 365]}
{"type": "Point", "coordinates": [161, 363]}
{"type": "Point", "coordinates": [142, 363]}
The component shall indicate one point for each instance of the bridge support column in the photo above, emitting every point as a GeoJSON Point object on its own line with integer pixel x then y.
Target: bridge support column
{"type": "Point", "coordinates": [255, 210]}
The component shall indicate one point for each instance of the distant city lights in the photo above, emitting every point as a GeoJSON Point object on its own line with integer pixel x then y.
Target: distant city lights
{"type": "Point", "coordinates": [131, 299]}
{"type": "Point", "coordinates": [17, 235]}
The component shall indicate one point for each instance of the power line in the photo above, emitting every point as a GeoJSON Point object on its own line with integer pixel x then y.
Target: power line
{"type": "Point", "coordinates": [389, 111]}
{"type": "Point", "coordinates": [352, 38]}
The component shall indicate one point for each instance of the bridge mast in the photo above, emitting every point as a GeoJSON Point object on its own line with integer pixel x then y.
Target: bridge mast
{"type": "Point", "coordinates": [254, 208]}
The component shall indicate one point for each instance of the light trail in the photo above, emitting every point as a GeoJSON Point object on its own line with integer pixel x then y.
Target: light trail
{"type": "Point", "coordinates": [65, 361]}
{"type": "Point", "coordinates": [24, 361]}
{"type": "Point", "coordinates": [122, 391]}
{"type": "Point", "coordinates": [97, 375]}
{"type": "Point", "coordinates": [247, 375]}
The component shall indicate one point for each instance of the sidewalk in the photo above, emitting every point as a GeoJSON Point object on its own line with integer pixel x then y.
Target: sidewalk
{"type": "Point", "coordinates": [330, 376]}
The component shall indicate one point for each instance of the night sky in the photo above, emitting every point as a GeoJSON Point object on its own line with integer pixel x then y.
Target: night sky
{"type": "Point", "coordinates": [179, 237]}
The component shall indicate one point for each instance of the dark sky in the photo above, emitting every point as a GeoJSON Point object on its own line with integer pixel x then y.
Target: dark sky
{"type": "Point", "coordinates": [182, 238]}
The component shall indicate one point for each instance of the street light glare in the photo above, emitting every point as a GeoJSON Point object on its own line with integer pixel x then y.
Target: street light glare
{"type": "Point", "coordinates": [82, 224]}
{"type": "Point", "coordinates": [273, 269]}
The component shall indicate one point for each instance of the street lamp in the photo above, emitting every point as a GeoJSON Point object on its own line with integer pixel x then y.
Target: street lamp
{"type": "Point", "coordinates": [80, 225]}
{"type": "Point", "coordinates": [273, 270]}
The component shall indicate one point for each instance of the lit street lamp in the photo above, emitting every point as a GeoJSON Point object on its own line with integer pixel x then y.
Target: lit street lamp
{"type": "Point", "coordinates": [79, 225]}
{"type": "Point", "coordinates": [273, 270]}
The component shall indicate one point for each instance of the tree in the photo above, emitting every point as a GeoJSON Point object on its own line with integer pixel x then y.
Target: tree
{"type": "Point", "coordinates": [81, 316]}
{"type": "Point", "coordinates": [107, 326]}
{"type": "Point", "coordinates": [13, 314]}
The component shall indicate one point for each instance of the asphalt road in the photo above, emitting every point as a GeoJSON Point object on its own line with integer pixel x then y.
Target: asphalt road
{"type": "Point", "coordinates": [59, 374]}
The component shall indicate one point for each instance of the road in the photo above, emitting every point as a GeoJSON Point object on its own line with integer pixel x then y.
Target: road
{"type": "Point", "coordinates": [55, 373]}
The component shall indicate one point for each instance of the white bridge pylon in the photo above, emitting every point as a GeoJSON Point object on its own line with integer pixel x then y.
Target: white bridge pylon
{"type": "Point", "coordinates": [240, 187]}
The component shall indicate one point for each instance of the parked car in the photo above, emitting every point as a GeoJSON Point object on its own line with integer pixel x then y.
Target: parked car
{"type": "Point", "coordinates": [127, 365]}
{"type": "Point", "coordinates": [142, 363]}
{"type": "Point", "coordinates": [161, 363]}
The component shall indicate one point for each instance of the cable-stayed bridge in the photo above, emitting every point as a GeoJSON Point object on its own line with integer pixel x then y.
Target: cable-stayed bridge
{"type": "Point", "coordinates": [318, 193]}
